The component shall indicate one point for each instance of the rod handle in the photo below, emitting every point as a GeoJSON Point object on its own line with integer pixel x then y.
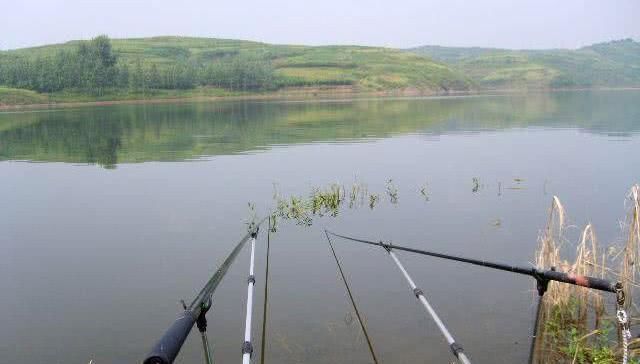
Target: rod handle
{"type": "Point", "coordinates": [168, 347]}
{"type": "Point", "coordinates": [579, 280]}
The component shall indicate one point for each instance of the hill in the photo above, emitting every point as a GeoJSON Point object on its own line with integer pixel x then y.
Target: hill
{"type": "Point", "coordinates": [147, 65]}
{"type": "Point", "coordinates": [610, 64]}
{"type": "Point", "coordinates": [181, 67]}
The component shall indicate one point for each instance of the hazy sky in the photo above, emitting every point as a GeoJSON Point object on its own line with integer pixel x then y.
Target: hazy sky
{"type": "Point", "coordinates": [397, 23]}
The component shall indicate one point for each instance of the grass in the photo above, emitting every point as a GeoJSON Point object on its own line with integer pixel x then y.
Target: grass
{"type": "Point", "coordinates": [316, 75]}
{"type": "Point", "coordinates": [118, 95]}
{"type": "Point", "coordinates": [13, 96]}
{"type": "Point", "coordinates": [575, 326]}
{"type": "Point", "coordinates": [631, 248]}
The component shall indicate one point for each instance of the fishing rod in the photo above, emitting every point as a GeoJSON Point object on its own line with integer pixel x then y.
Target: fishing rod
{"type": "Point", "coordinates": [353, 301]}
{"type": "Point", "coordinates": [247, 347]}
{"type": "Point", "coordinates": [542, 277]}
{"type": "Point", "coordinates": [266, 296]}
{"type": "Point", "coordinates": [168, 346]}
{"type": "Point", "coordinates": [456, 348]}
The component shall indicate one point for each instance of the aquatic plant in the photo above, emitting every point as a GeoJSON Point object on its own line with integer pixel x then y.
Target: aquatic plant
{"type": "Point", "coordinates": [476, 184]}
{"type": "Point", "coordinates": [574, 324]}
{"type": "Point", "coordinates": [392, 192]}
{"type": "Point", "coordinates": [273, 222]}
{"type": "Point", "coordinates": [358, 194]}
{"type": "Point", "coordinates": [328, 200]}
{"type": "Point", "coordinates": [373, 200]}
{"type": "Point", "coordinates": [295, 208]}
{"type": "Point", "coordinates": [565, 331]}
{"type": "Point", "coordinates": [424, 191]}
{"type": "Point", "coordinates": [253, 217]}
{"type": "Point", "coordinates": [632, 245]}
{"type": "Point", "coordinates": [322, 201]}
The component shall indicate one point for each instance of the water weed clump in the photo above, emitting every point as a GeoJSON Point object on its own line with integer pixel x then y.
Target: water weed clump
{"type": "Point", "coordinates": [358, 194]}
{"type": "Point", "coordinates": [373, 200]}
{"type": "Point", "coordinates": [475, 184]}
{"type": "Point", "coordinates": [295, 208]}
{"type": "Point", "coordinates": [392, 192]}
{"type": "Point", "coordinates": [253, 217]}
{"type": "Point", "coordinates": [326, 201]}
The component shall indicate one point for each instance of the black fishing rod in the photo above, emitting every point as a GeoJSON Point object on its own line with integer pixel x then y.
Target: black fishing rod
{"type": "Point", "coordinates": [542, 277]}
{"type": "Point", "coordinates": [169, 345]}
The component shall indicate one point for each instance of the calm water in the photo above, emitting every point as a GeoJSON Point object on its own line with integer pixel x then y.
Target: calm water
{"type": "Point", "coordinates": [109, 216]}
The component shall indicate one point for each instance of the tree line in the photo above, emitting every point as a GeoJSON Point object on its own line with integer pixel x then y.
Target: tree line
{"type": "Point", "coordinates": [93, 67]}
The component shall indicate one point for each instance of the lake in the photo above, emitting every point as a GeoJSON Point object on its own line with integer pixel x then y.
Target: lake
{"type": "Point", "coordinates": [111, 215]}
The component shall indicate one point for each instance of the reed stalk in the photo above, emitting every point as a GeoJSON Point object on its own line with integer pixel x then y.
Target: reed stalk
{"type": "Point", "coordinates": [574, 326]}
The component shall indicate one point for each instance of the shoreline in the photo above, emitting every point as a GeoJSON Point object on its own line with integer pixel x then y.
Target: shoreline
{"type": "Point", "coordinates": [308, 94]}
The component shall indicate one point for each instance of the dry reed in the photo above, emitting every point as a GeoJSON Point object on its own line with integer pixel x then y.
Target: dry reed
{"type": "Point", "coordinates": [574, 325]}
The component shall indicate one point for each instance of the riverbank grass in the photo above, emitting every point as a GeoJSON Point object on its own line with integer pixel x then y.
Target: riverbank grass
{"type": "Point", "coordinates": [14, 96]}
{"type": "Point", "coordinates": [575, 324]}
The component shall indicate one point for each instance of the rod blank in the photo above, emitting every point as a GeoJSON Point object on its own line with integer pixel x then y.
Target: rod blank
{"type": "Point", "coordinates": [455, 348]}
{"type": "Point", "coordinates": [540, 275]}
{"type": "Point", "coordinates": [247, 347]}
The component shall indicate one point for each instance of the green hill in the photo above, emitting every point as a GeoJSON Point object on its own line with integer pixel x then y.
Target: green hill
{"type": "Point", "coordinates": [149, 65]}
{"type": "Point", "coordinates": [176, 67]}
{"type": "Point", "coordinates": [610, 64]}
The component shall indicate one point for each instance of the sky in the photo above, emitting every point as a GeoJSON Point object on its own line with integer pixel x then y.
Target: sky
{"type": "Point", "coordinates": [398, 23]}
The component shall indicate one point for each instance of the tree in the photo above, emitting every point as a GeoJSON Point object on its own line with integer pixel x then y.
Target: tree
{"type": "Point", "coordinates": [137, 78]}
{"type": "Point", "coordinates": [123, 76]}
{"type": "Point", "coordinates": [154, 80]}
{"type": "Point", "coordinates": [92, 66]}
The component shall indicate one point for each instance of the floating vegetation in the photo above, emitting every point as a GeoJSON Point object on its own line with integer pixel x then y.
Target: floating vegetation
{"type": "Point", "coordinates": [373, 199]}
{"type": "Point", "coordinates": [518, 185]}
{"type": "Point", "coordinates": [321, 202]}
{"type": "Point", "coordinates": [392, 192]}
{"type": "Point", "coordinates": [295, 208]}
{"type": "Point", "coordinates": [328, 201]}
{"type": "Point", "coordinates": [424, 191]}
{"type": "Point", "coordinates": [325, 201]}
{"type": "Point", "coordinates": [273, 222]}
{"type": "Point", "coordinates": [475, 184]}
{"type": "Point", "coordinates": [358, 195]}
{"type": "Point", "coordinates": [253, 217]}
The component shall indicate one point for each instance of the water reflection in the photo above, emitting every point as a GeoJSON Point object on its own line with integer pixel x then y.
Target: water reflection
{"type": "Point", "coordinates": [137, 133]}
